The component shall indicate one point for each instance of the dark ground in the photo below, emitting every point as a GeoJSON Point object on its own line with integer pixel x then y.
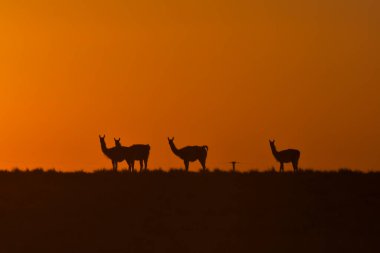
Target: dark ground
{"type": "Point", "coordinates": [189, 212]}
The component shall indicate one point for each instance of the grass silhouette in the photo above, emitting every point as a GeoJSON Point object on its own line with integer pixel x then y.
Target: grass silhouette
{"type": "Point", "coordinates": [175, 211]}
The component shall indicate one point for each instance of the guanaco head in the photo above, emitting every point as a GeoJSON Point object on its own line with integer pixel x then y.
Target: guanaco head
{"type": "Point", "coordinates": [117, 142]}
{"type": "Point", "coordinates": [271, 143]}
{"type": "Point", "coordinates": [102, 141]}
{"type": "Point", "coordinates": [171, 140]}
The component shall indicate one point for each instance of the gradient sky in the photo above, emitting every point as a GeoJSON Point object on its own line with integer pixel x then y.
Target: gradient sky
{"type": "Point", "coordinates": [229, 74]}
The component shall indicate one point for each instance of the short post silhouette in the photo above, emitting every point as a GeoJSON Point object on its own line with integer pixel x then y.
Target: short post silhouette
{"type": "Point", "coordinates": [115, 154]}
{"type": "Point", "coordinates": [285, 156]}
{"type": "Point", "coordinates": [136, 152]}
{"type": "Point", "coordinates": [234, 165]}
{"type": "Point", "coordinates": [190, 154]}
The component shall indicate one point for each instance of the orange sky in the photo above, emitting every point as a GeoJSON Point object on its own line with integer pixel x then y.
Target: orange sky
{"type": "Point", "coordinates": [229, 74]}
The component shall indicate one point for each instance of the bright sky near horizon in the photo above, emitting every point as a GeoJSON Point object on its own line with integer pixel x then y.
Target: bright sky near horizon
{"type": "Point", "coordinates": [227, 74]}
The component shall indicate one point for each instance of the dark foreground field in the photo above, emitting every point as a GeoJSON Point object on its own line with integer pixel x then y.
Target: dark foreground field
{"type": "Point", "coordinates": [179, 212]}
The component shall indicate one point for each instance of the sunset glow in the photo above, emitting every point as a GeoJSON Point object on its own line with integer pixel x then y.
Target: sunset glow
{"type": "Point", "coordinates": [227, 74]}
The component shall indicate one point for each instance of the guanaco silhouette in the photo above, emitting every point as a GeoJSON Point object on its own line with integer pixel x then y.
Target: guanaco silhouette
{"type": "Point", "coordinates": [190, 154]}
{"type": "Point", "coordinates": [135, 152]}
{"type": "Point", "coordinates": [285, 156]}
{"type": "Point", "coordinates": [115, 154]}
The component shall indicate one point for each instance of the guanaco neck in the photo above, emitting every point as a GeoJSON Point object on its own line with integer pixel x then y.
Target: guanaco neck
{"type": "Point", "coordinates": [173, 148]}
{"type": "Point", "coordinates": [274, 150]}
{"type": "Point", "coordinates": [104, 147]}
